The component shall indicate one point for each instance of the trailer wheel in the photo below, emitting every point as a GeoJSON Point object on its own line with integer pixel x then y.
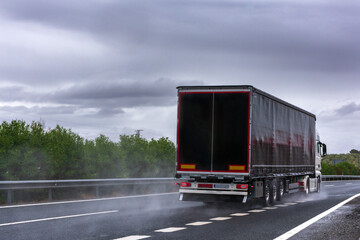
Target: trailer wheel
{"type": "Point", "coordinates": [267, 193]}
{"type": "Point", "coordinates": [274, 191]}
{"type": "Point", "coordinates": [280, 189]}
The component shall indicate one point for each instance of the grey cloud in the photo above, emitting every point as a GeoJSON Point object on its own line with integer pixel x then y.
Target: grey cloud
{"type": "Point", "coordinates": [98, 99]}
{"type": "Point", "coordinates": [348, 109]}
{"type": "Point", "coordinates": [312, 36]}
{"type": "Point", "coordinates": [118, 89]}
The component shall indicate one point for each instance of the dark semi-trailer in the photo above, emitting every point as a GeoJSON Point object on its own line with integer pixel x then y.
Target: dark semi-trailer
{"type": "Point", "coordinates": [238, 142]}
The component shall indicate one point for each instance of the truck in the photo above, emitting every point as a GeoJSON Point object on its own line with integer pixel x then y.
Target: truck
{"type": "Point", "coordinates": [236, 143]}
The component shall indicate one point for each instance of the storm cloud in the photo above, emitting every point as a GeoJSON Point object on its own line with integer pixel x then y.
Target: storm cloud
{"type": "Point", "coordinates": [113, 66]}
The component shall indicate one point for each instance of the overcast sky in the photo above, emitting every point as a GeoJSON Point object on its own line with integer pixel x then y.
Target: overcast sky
{"type": "Point", "coordinates": [111, 67]}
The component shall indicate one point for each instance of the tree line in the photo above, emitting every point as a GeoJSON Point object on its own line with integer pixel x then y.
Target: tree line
{"type": "Point", "coordinates": [348, 164]}
{"type": "Point", "coordinates": [30, 152]}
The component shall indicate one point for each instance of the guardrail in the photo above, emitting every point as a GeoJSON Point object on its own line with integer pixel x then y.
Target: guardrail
{"type": "Point", "coordinates": [339, 177]}
{"type": "Point", "coordinates": [97, 183]}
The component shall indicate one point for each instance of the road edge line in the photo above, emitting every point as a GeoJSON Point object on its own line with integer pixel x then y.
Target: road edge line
{"type": "Point", "coordinates": [56, 218]}
{"type": "Point", "coordinates": [304, 225]}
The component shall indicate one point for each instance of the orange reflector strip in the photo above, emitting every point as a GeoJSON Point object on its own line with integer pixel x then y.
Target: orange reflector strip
{"type": "Point", "coordinates": [236, 167]}
{"type": "Point", "coordinates": [188, 166]}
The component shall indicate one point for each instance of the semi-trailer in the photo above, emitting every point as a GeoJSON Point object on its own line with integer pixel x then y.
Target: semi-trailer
{"type": "Point", "coordinates": [238, 142]}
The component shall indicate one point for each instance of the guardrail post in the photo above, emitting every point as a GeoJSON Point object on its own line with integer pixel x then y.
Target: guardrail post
{"type": "Point", "coordinates": [50, 194]}
{"type": "Point", "coordinates": [9, 196]}
{"type": "Point", "coordinates": [97, 194]}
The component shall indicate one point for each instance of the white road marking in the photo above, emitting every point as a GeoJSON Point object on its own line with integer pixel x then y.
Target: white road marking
{"type": "Point", "coordinates": [290, 203]}
{"type": "Point", "coordinates": [301, 227]}
{"type": "Point", "coordinates": [256, 211]}
{"type": "Point", "coordinates": [348, 183]}
{"type": "Point", "coordinates": [55, 218]}
{"type": "Point", "coordinates": [303, 201]}
{"type": "Point", "coordinates": [329, 185]}
{"type": "Point", "coordinates": [198, 223]}
{"type": "Point", "coordinates": [270, 208]}
{"type": "Point", "coordinates": [133, 237]}
{"type": "Point", "coordinates": [281, 205]}
{"type": "Point", "coordinates": [87, 200]}
{"type": "Point", "coordinates": [170, 229]}
{"type": "Point", "coordinates": [220, 218]}
{"type": "Point", "coordinates": [239, 214]}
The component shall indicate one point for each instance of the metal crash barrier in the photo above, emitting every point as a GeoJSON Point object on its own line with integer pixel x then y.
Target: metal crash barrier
{"type": "Point", "coordinates": [10, 186]}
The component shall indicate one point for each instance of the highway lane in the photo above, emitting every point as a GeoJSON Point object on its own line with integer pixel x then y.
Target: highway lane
{"type": "Point", "coordinates": [162, 216]}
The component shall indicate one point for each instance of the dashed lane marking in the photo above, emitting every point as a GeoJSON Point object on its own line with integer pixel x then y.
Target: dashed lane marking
{"type": "Point", "coordinates": [301, 227]}
{"type": "Point", "coordinates": [270, 208]}
{"type": "Point", "coordinates": [348, 183]}
{"type": "Point", "coordinates": [133, 237]}
{"type": "Point", "coordinates": [220, 218]}
{"type": "Point", "coordinates": [290, 203]}
{"type": "Point", "coordinates": [329, 185]}
{"type": "Point", "coordinates": [302, 201]}
{"type": "Point", "coordinates": [198, 223]}
{"type": "Point", "coordinates": [55, 218]}
{"type": "Point", "coordinates": [281, 205]}
{"type": "Point", "coordinates": [239, 214]}
{"type": "Point", "coordinates": [170, 229]}
{"type": "Point", "coordinates": [256, 211]}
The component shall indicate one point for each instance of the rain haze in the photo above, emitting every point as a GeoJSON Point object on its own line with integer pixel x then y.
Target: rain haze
{"type": "Point", "coordinates": [112, 67]}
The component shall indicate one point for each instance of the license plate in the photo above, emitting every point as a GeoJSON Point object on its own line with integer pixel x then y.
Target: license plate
{"type": "Point", "coordinates": [221, 186]}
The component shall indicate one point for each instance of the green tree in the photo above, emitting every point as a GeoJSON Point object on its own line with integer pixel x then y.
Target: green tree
{"type": "Point", "coordinates": [66, 151]}
{"type": "Point", "coordinates": [134, 151]}
{"type": "Point", "coordinates": [107, 158]}
{"type": "Point", "coordinates": [354, 151]}
{"type": "Point", "coordinates": [162, 157]}
{"type": "Point", "coordinates": [328, 169]}
{"type": "Point", "coordinates": [346, 168]}
{"type": "Point", "coordinates": [22, 154]}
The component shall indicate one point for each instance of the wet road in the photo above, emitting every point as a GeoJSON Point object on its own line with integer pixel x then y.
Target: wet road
{"type": "Point", "coordinates": [162, 216]}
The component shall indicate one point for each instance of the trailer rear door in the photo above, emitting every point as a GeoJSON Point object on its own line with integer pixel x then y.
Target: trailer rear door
{"type": "Point", "coordinates": [213, 131]}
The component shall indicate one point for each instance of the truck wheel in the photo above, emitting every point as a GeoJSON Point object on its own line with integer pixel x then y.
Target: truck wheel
{"type": "Point", "coordinates": [266, 198]}
{"type": "Point", "coordinates": [280, 189]}
{"type": "Point", "coordinates": [318, 185]}
{"type": "Point", "coordinates": [307, 189]}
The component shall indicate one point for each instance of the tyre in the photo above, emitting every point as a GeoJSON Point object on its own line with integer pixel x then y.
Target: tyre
{"type": "Point", "coordinates": [307, 188]}
{"type": "Point", "coordinates": [280, 189]}
{"type": "Point", "coordinates": [273, 191]}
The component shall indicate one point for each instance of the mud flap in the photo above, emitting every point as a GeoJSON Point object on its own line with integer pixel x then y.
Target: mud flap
{"type": "Point", "coordinates": [181, 196]}
{"type": "Point", "coordinates": [244, 199]}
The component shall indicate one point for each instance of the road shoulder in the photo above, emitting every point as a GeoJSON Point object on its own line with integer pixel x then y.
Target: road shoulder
{"type": "Point", "coordinates": [343, 223]}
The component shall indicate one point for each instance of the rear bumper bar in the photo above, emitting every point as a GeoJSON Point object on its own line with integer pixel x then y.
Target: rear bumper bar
{"type": "Point", "coordinates": [211, 197]}
{"type": "Point", "coordinates": [213, 192]}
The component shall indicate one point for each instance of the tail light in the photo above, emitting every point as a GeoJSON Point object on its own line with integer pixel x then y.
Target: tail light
{"type": "Point", "coordinates": [301, 183]}
{"type": "Point", "coordinates": [205, 185]}
{"type": "Point", "coordinates": [241, 186]}
{"type": "Point", "coordinates": [185, 184]}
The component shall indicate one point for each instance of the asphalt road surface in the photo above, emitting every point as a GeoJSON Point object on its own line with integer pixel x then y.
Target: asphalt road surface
{"type": "Point", "coordinates": [162, 216]}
